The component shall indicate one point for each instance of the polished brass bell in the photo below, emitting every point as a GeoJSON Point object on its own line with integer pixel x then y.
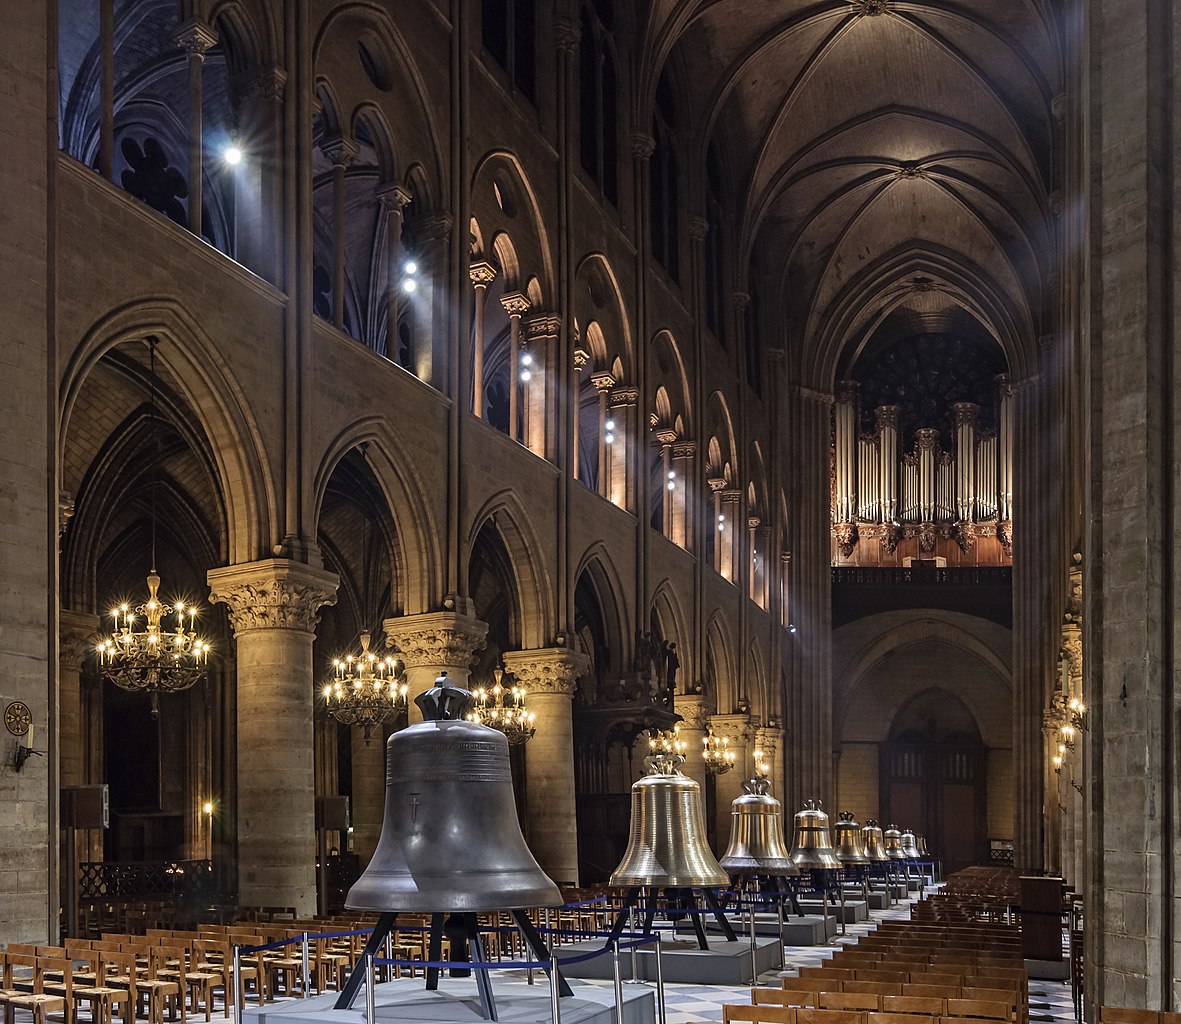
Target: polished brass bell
{"type": "Point", "coordinates": [910, 845]}
{"type": "Point", "coordinates": [666, 846]}
{"type": "Point", "coordinates": [812, 846]}
{"type": "Point", "coordinates": [893, 839]}
{"type": "Point", "coordinates": [756, 834]}
{"type": "Point", "coordinates": [871, 835]}
{"type": "Point", "coordinates": [849, 847]}
{"type": "Point", "coordinates": [450, 839]}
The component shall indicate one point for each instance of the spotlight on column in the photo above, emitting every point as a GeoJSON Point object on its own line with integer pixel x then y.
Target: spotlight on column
{"type": "Point", "coordinates": [409, 285]}
{"type": "Point", "coordinates": [526, 359]}
{"type": "Point", "coordinates": [232, 154]}
{"type": "Point", "coordinates": [791, 627]}
{"type": "Point", "coordinates": [526, 375]}
{"type": "Point", "coordinates": [610, 438]}
{"type": "Point", "coordinates": [410, 267]}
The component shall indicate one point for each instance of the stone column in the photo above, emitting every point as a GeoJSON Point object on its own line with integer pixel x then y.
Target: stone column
{"type": "Point", "coordinates": [694, 720]}
{"type": "Point", "coordinates": [769, 741]}
{"type": "Point", "coordinates": [341, 152]}
{"type": "Point", "coordinates": [549, 676]}
{"type": "Point", "coordinates": [274, 609]}
{"type": "Point", "coordinates": [717, 484]}
{"type": "Point", "coordinates": [482, 275]}
{"type": "Point", "coordinates": [431, 644]}
{"type": "Point", "coordinates": [515, 305]}
{"type": "Point", "coordinates": [77, 633]}
{"type": "Point", "coordinates": [666, 439]}
{"type": "Point", "coordinates": [195, 37]}
{"type": "Point", "coordinates": [737, 729]}
{"type": "Point", "coordinates": [624, 489]}
{"type": "Point", "coordinates": [683, 454]}
{"type": "Point", "coordinates": [603, 382]}
{"type": "Point", "coordinates": [393, 199]}
{"type": "Point", "coordinates": [581, 362]}
{"type": "Point", "coordinates": [367, 805]}
{"type": "Point", "coordinates": [540, 374]}
{"type": "Point", "coordinates": [729, 537]}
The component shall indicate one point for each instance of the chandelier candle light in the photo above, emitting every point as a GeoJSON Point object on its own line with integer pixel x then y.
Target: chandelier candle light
{"type": "Point", "coordinates": [366, 690]}
{"type": "Point", "coordinates": [718, 756]}
{"type": "Point", "coordinates": [503, 707]}
{"type": "Point", "coordinates": [153, 659]}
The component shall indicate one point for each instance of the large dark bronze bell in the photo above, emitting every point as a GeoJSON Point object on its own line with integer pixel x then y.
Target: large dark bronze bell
{"type": "Point", "coordinates": [893, 840]}
{"type": "Point", "coordinates": [450, 839]}
{"type": "Point", "coordinates": [812, 846]}
{"type": "Point", "coordinates": [666, 846]}
{"type": "Point", "coordinates": [872, 836]}
{"type": "Point", "coordinates": [849, 846]}
{"type": "Point", "coordinates": [756, 834]}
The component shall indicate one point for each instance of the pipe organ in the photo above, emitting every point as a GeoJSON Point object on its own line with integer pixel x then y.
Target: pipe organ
{"type": "Point", "coordinates": [926, 492]}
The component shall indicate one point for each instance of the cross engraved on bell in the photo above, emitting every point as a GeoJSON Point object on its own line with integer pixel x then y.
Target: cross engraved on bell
{"type": "Point", "coordinates": [413, 808]}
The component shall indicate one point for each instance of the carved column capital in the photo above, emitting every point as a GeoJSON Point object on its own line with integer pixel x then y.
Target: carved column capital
{"type": "Point", "coordinates": [582, 359]}
{"type": "Point", "coordinates": [684, 449]}
{"type": "Point", "coordinates": [698, 228]}
{"type": "Point", "coordinates": [543, 327]}
{"type": "Point", "coordinates": [275, 593]}
{"type": "Point", "coordinates": [643, 145]}
{"type": "Point", "coordinates": [339, 150]}
{"type": "Point", "coordinates": [65, 511]}
{"type": "Point", "coordinates": [77, 633]}
{"type": "Point", "coordinates": [438, 640]}
{"type": "Point", "coordinates": [547, 670]}
{"type": "Point", "coordinates": [886, 416]}
{"type": "Point", "coordinates": [567, 35]}
{"type": "Point", "coordinates": [666, 437]}
{"type": "Point", "coordinates": [767, 739]}
{"type": "Point", "coordinates": [624, 396]}
{"type": "Point", "coordinates": [736, 728]}
{"type": "Point", "coordinates": [394, 197]}
{"type": "Point", "coordinates": [691, 708]}
{"type": "Point", "coordinates": [482, 273]}
{"type": "Point", "coordinates": [195, 37]}
{"type": "Point", "coordinates": [846, 391]}
{"type": "Point", "coordinates": [515, 303]}
{"type": "Point", "coordinates": [433, 226]}
{"type": "Point", "coordinates": [604, 380]}
{"type": "Point", "coordinates": [264, 83]}
{"type": "Point", "coordinates": [966, 413]}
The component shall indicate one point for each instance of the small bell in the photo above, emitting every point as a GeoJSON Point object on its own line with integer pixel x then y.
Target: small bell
{"type": "Point", "coordinates": [812, 846]}
{"type": "Point", "coordinates": [756, 834]}
{"type": "Point", "coordinates": [666, 846]}
{"type": "Point", "coordinates": [872, 836]}
{"type": "Point", "coordinates": [923, 851]}
{"type": "Point", "coordinates": [849, 846]}
{"type": "Point", "coordinates": [910, 845]}
{"type": "Point", "coordinates": [893, 839]}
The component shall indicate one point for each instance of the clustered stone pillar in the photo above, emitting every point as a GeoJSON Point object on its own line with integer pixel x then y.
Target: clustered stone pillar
{"type": "Point", "coordinates": [737, 729]}
{"type": "Point", "coordinates": [548, 675]}
{"type": "Point", "coordinates": [432, 644]}
{"type": "Point", "coordinates": [516, 304]}
{"type": "Point", "coordinates": [274, 609]}
{"type": "Point", "coordinates": [581, 362]}
{"type": "Point", "coordinates": [482, 275]}
{"type": "Point", "coordinates": [603, 382]}
{"type": "Point", "coordinates": [341, 152]}
{"type": "Point", "coordinates": [394, 199]}
{"type": "Point", "coordinates": [694, 721]}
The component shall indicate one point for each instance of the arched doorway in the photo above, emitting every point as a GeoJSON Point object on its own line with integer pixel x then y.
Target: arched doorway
{"type": "Point", "coordinates": [933, 777]}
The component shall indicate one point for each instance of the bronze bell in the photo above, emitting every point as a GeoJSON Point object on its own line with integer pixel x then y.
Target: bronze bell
{"type": "Point", "coordinates": [756, 834]}
{"type": "Point", "coordinates": [872, 836]}
{"type": "Point", "coordinates": [849, 847]}
{"type": "Point", "coordinates": [812, 846]}
{"type": "Point", "coordinates": [923, 851]}
{"type": "Point", "coordinates": [450, 839]}
{"type": "Point", "coordinates": [666, 846]}
{"type": "Point", "coordinates": [893, 840]}
{"type": "Point", "coordinates": [910, 845]}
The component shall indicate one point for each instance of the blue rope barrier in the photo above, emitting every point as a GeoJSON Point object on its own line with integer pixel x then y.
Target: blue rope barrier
{"type": "Point", "coordinates": [511, 965]}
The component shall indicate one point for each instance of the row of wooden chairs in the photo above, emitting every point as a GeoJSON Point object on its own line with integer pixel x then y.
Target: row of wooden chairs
{"type": "Point", "coordinates": [1122, 1015]}
{"type": "Point", "coordinates": [765, 1012]}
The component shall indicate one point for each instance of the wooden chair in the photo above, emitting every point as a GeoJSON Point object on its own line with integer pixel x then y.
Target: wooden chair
{"type": "Point", "coordinates": [850, 1001]}
{"type": "Point", "coordinates": [900, 1018]}
{"type": "Point", "coordinates": [102, 995]}
{"type": "Point", "coordinates": [833, 974]}
{"type": "Point", "coordinates": [41, 1001]}
{"type": "Point", "coordinates": [810, 1016]}
{"type": "Point", "coordinates": [928, 1006]}
{"type": "Point", "coordinates": [759, 1013]}
{"type": "Point", "coordinates": [932, 991]}
{"type": "Point", "coordinates": [878, 988]}
{"type": "Point", "coordinates": [978, 1009]}
{"type": "Point", "coordinates": [162, 992]}
{"type": "Point", "coordinates": [783, 997]}
{"type": "Point", "coordinates": [1123, 1015]}
{"type": "Point", "coordinates": [873, 974]}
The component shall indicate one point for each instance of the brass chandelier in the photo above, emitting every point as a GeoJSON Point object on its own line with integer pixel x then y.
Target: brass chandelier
{"type": "Point", "coordinates": [503, 708]}
{"type": "Point", "coordinates": [143, 653]}
{"type": "Point", "coordinates": [718, 756]}
{"type": "Point", "coordinates": [666, 751]}
{"type": "Point", "coordinates": [366, 690]}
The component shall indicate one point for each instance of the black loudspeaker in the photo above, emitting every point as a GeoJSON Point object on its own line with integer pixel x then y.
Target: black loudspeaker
{"type": "Point", "coordinates": [332, 813]}
{"type": "Point", "coordinates": [86, 807]}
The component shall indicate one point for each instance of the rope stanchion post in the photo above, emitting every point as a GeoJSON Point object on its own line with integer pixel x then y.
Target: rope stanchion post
{"type": "Point", "coordinates": [618, 977]}
{"type": "Point", "coordinates": [305, 980]}
{"type": "Point", "coordinates": [631, 927]}
{"type": "Point", "coordinates": [389, 955]}
{"type": "Point", "coordinates": [661, 1013]}
{"type": "Point", "coordinates": [555, 993]}
{"type": "Point", "coordinates": [782, 938]}
{"type": "Point", "coordinates": [370, 995]}
{"type": "Point", "coordinates": [841, 894]}
{"type": "Point", "coordinates": [237, 983]}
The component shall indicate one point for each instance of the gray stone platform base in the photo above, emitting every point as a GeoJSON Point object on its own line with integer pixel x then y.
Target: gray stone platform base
{"type": "Point", "coordinates": [808, 930]}
{"type": "Point", "coordinates": [1053, 970]}
{"type": "Point", "coordinates": [405, 1001]}
{"type": "Point", "coordinates": [724, 963]}
{"type": "Point", "coordinates": [878, 900]}
{"type": "Point", "coordinates": [855, 909]}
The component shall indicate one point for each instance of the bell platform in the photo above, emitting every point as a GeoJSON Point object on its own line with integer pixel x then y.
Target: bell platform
{"type": "Point", "coordinates": [809, 930]}
{"type": "Point", "coordinates": [724, 963]}
{"type": "Point", "coordinates": [456, 1001]}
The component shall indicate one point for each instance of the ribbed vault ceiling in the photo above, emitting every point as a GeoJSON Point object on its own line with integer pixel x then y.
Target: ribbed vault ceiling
{"type": "Point", "coordinates": [875, 142]}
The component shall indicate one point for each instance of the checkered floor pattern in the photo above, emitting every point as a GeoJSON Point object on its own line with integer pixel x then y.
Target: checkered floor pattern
{"type": "Point", "coordinates": [690, 1004]}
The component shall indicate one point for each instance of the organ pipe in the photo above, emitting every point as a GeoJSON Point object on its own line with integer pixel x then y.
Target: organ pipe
{"type": "Point", "coordinates": [887, 426]}
{"type": "Point", "coordinates": [846, 451]}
